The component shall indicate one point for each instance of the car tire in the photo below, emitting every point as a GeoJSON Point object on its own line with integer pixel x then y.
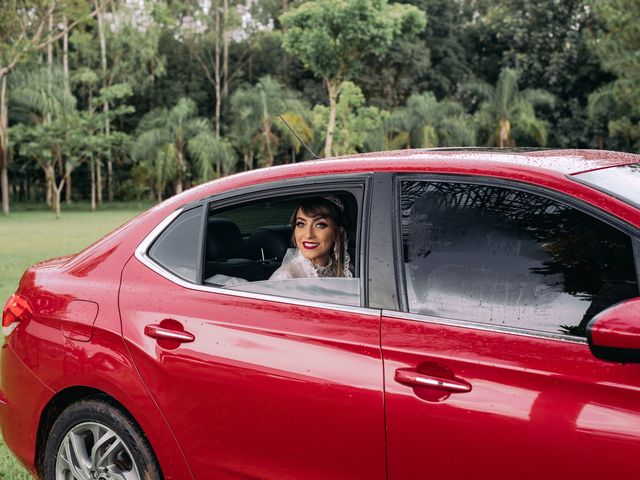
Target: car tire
{"type": "Point", "coordinates": [123, 451]}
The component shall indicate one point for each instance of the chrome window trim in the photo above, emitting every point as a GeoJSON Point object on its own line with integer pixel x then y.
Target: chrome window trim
{"type": "Point", "coordinates": [145, 259]}
{"type": "Point", "coordinates": [484, 327]}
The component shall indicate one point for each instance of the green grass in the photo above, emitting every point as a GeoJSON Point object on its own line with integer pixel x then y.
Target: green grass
{"type": "Point", "coordinates": [26, 237]}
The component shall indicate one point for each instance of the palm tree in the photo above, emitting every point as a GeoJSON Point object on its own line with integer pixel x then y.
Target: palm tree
{"type": "Point", "coordinates": [425, 122]}
{"type": "Point", "coordinates": [39, 99]}
{"type": "Point", "coordinates": [505, 111]}
{"type": "Point", "coordinates": [212, 156]}
{"type": "Point", "coordinates": [255, 108]}
{"type": "Point", "coordinates": [167, 137]}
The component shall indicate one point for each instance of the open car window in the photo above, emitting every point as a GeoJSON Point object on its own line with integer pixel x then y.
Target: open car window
{"type": "Point", "coordinates": [246, 243]}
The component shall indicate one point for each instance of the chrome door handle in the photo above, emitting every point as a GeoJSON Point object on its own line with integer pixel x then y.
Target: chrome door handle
{"type": "Point", "coordinates": [161, 333]}
{"type": "Point", "coordinates": [415, 379]}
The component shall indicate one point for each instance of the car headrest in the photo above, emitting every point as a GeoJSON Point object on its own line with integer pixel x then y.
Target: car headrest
{"type": "Point", "coordinates": [274, 240]}
{"type": "Point", "coordinates": [224, 239]}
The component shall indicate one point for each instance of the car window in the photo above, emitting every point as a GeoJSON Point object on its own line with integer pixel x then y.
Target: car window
{"type": "Point", "coordinates": [177, 247]}
{"type": "Point", "coordinates": [247, 243]}
{"type": "Point", "coordinates": [507, 257]}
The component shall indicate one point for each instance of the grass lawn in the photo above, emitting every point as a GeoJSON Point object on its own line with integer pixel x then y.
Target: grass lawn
{"type": "Point", "coordinates": [28, 237]}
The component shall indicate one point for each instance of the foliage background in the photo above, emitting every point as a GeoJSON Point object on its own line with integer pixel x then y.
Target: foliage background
{"type": "Point", "coordinates": [125, 100]}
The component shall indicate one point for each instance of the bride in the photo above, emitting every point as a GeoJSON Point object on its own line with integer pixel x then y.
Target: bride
{"type": "Point", "coordinates": [319, 234]}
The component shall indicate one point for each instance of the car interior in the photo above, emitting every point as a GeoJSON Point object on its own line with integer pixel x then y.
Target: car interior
{"type": "Point", "coordinates": [249, 242]}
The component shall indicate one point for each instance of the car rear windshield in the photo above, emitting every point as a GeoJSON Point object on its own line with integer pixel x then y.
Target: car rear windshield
{"type": "Point", "coordinates": [622, 182]}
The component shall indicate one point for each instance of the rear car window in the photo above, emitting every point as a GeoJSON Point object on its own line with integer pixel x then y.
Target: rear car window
{"type": "Point", "coordinates": [177, 249]}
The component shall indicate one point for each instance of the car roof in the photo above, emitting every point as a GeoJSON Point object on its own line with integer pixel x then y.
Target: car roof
{"type": "Point", "coordinates": [565, 162]}
{"type": "Point", "coordinates": [509, 163]}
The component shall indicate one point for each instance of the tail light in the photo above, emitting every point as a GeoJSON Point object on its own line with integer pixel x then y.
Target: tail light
{"type": "Point", "coordinates": [17, 308]}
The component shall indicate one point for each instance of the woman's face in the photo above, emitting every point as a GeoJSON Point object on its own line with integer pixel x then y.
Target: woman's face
{"type": "Point", "coordinates": [314, 236]}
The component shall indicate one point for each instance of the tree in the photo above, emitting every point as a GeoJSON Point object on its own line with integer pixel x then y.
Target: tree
{"type": "Point", "coordinates": [617, 43]}
{"type": "Point", "coordinates": [356, 123]}
{"type": "Point", "coordinates": [425, 122]}
{"type": "Point", "coordinates": [333, 37]}
{"type": "Point", "coordinates": [48, 145]}
{"type": "Point", "coordinates": [97, 117]}
{"type": "Point", "coordinates": [254, 111]}
{"type": "Point", "coordinates": [121, 48]}
{"type": "Point", "coordinates": [213, 156]}
{"type": "Point", "coordinates": [547, 41]}
{"type": "Point", "coordinates": [165, 138]}
{"type": "Point", "coordinates": [25, 28]}
{"type": "Point", "coordinates": [39, 96]}
{"type": "Point", "coordinates": [504, 108]}
{"type": "Point", "coordinates": [205, 30]}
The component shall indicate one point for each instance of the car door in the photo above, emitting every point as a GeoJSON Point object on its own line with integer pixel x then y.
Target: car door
{"type": "Point", "coordinates": [253, 385]}
{"type": "Point", "coordinates": [487, 370]}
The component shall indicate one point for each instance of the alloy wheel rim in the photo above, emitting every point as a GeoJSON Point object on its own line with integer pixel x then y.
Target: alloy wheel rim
{"type": "Point", "coordinates": [92, 451]}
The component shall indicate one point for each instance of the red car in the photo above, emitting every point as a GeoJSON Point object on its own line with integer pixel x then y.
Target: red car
{"type": "Point", "coordinates": [490, 329]}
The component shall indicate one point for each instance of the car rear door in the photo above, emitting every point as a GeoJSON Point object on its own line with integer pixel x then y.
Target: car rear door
{"type": "Point", "coordinates": [255, 386]}
{"type": "Point", "coordinates": [487, 371]}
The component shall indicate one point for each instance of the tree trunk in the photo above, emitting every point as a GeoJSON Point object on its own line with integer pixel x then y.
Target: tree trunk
{"type": "Point", "coordinates": [178, 180]}
{"type": "Point", "coordinates": [49, 188]}
{"type": "Point", "coordinates": [266, 129]}
{"type": "Point", "coordinates": [100, 7]}
{"type": "Point", "coordinates": [67, 93]}
{"type": "Point", "coordinates": [216, 10]}
{"type": "Point", "coordinates": [65, 60]}
{"type": "Point", "coordinates": [49, 176]}
{"type": "Point", "coordinates": [67, 191]}
{"type": "Point", "coordinates": [225, 54]}
{"type": "Point", "coordinates": [98, 181]}
{"type": "Point", "coordinates": [505, 128]}
{"type": "Point", "coordinates": [50, 61]}
{"type": "Point", "coordinates": [56, 198]}
{"type": "Point", "coordinates": [93, 184]}
{"type": "Point", "coordinates": [332, 90]}
{"type": "Point", "coordinates": [4, 146]}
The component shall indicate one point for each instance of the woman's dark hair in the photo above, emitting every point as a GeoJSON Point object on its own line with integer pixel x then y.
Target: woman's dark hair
{"type": "Point", "coordinates": [321, 206]}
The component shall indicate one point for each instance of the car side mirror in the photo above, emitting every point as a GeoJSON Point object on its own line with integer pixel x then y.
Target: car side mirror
{"type": "Point", "coordinates": [614, 334]}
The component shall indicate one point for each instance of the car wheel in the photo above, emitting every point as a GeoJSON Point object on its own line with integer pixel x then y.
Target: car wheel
{"type": "Point", "coordinates": [94, 440]}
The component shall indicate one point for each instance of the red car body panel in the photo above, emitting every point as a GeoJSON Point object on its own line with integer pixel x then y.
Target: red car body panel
{"type": "Point", "coordinates": [307, 397]}
{"type": "Point", "coordinates": [537, 407]}
{"type": "Point", "coordinates": [59, 363]}
{"type": "Point", "coordinates": [266, 389]}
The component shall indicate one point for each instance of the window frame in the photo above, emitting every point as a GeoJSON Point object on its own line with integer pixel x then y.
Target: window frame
{"type": "Point", "coordinates": [554, 195]}
{"type": "Point", "coordinates": [359, 185]}
{"type": "Point", "coordinates": [162, 228]}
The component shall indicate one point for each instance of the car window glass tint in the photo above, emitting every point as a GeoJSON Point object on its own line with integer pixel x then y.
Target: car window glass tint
{"type": "Point", "coordinates": [176, 249]}
{"type": "Point", "coordinates": [507, 257]}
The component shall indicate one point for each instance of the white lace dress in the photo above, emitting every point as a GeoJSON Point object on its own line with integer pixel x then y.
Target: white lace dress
{"type": "Point", "coordinates": [295, 265]}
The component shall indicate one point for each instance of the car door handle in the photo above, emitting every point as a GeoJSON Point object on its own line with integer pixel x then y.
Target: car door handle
{"type": "Point", "coordinates": [415, 379]}
{"type": "Point", "coordinates": [161, 333]}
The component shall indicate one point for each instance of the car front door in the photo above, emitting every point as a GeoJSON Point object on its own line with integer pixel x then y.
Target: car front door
{"type": "Point", "coordinates": [487, 370]}
{"type": "Point", "coordinates": [252, 385]}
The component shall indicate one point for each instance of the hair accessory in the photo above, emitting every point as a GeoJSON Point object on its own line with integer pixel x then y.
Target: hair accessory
{"type": "Point", "coordinates": [336, 201]}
